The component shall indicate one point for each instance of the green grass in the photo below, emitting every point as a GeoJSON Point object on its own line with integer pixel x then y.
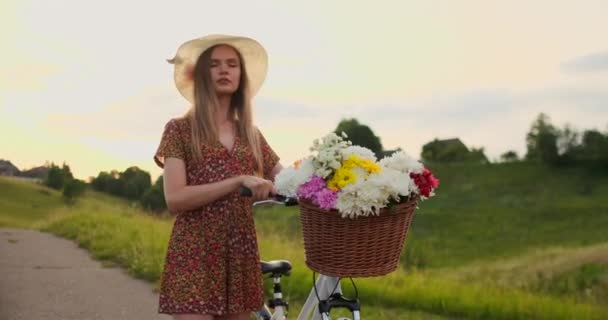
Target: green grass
{"type": "Point", "coordinates": [497, 211]}
{"type": "Point", "coordinates": [526, 270]}
{"type": "Point", "coordinates": [588, 282]}
{"type": "Point", "coordinates": [24, 203]}
{"type": "Point", "coordinates": [513, 241]}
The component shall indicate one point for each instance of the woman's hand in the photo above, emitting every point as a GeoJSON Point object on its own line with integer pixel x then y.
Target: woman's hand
{"type": "Point", "coordinates": [260, 188]}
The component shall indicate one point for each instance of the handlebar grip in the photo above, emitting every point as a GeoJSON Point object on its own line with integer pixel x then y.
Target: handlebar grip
{"type": "Point", "coordinates": [246, 192]}
{"type": "Point", "coordinates": [287, 201]}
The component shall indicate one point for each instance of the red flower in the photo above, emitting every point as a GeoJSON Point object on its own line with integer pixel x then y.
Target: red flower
{"type": "Point", "coordinates": [425, 181]}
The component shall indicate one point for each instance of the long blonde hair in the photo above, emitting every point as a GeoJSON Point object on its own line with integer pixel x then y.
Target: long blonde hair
{"type": "Point", "coordinates": [206, 105]}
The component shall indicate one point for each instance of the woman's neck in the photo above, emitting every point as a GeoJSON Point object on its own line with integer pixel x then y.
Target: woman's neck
{"type": "Point", "coordinates": [223, 116]}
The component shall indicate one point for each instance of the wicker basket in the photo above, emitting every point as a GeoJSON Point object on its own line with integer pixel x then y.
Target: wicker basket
{"type": "Point", "coordinates": [360, 247]}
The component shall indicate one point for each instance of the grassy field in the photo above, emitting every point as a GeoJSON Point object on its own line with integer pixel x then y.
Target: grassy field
{"type": "Point", "coordinates": [500, 211]}
{"type": "Point", "coordinates": [23, 203]}
{"type": "Point", "coordinates": [512, 241]}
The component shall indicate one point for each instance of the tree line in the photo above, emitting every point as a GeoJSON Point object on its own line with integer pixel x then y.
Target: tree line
{"type": "Point", "coordinates": [545, 143]}
{"type": "Point", "coordinates": [61, 178]}
{"type": "Point", "coordinates": [549, 144]}
{"type": "Point", "coordinates": [132, 184]}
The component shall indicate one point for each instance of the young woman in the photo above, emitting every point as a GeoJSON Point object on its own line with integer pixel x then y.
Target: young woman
{"type": "Point", "coordinates": [212, 268]}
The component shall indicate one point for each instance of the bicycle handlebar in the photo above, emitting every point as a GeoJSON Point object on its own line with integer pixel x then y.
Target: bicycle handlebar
{"type": "Point", "coordinates": [278, 199]}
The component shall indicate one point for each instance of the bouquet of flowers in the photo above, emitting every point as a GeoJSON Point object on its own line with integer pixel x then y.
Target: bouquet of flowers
{"type": "Point", "coordinates": [349, 178]}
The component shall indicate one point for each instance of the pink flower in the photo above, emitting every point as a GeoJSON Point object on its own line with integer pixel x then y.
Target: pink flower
{"type": "Point", "coordinates": [316, 191]}
{"type": "Point", "coordinates": [326, 199]}
{"type": "Point", "coordinates": [310, 189]}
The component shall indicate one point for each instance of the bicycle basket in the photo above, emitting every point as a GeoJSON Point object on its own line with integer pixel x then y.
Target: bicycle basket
{"type": "Point", "coordinates": [360, 247]}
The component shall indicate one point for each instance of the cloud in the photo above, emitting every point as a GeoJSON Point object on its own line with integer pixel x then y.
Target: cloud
{"type": "Point", "coordinates": [488, 105]}
{"type": "Point", "coordinates": [596, 62]}
{"type": "Point", "coordinates": [138, 118]}
{"type": "Point", "coordinates": [466, 107]}
{"type": "Point", "coordinates": [497, 120]}
{"type": "Point", "coordinates": [593, 101]}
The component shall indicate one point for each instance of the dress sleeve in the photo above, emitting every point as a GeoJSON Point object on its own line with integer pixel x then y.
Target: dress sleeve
{"type": "Point", "coordinates": [269, 157]}
{"type": "Point", "coordinates": [171, 144]}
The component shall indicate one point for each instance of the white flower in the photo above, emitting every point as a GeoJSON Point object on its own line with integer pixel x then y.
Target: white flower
{"type": "Point", "coordinates": [362, 198]}
{"type": "Point", "coordinates": [362, 152]}
{"type": "Point", "coordinates": [367, 196]}
{"type": "Point", "coordinates": [394, 183]}
{"type": "Point", "coordinates": [329, 154]}
{"type": "Point", "coordinates": [289, 179]}
{"type": "Point", "coordinates": [402, 162]}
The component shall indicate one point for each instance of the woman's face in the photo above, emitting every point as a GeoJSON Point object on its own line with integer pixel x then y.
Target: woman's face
{"type": "Point", "coordinates": [225, 70]}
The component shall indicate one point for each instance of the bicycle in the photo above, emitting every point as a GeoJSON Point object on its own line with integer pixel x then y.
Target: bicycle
{"type": "Point", "coordinates": [326, 293]}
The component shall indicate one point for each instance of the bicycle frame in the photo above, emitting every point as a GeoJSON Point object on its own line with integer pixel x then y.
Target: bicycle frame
{"type": "Point", "coordinates": [324, 295]}
{"type": "Point", "coordinates": [327, 294]}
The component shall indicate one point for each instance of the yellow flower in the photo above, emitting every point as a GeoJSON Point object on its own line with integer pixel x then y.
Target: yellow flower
{"type": "Point", "coordinates": [342, 178]}
{"type": "Point", "coordinates": [369, 166]}
{"type": "Point", "coordinates": [346, 175]}
{"type": "Point", "coordinates": [356, 161]}
{"type": "Point", "coordinates": [333, 185]}
{"type": "Point", "coordinates": [349, 163]}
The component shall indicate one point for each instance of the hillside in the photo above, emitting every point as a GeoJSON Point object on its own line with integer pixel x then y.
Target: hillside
{"type": "Point", "coordinates": [494, 211]}
{"type": "Point", "coordinates": [23, 203]}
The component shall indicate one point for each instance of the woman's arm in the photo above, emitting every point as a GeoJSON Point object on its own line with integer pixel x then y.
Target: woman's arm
{"type": "Point", "coordinates": [181, 197]}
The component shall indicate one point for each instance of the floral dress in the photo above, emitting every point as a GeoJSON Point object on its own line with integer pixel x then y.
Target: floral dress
{"type": "Point", "coordinates": [212, 263]}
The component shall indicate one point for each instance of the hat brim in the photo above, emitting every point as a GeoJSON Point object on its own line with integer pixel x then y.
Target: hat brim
{"type": "Point", "coordinates": [254, 56]}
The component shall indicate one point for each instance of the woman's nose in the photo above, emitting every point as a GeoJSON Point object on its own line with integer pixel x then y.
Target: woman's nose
{"type": "Point", "coordinates": [223, 68]}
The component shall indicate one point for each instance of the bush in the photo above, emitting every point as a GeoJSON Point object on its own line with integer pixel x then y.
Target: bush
{"type": "Point", "coordinates": [73, 190]}
{"type": "Point", "coordinates": [57, 177]}
{"type": "Point", "coordinates": [154, 198]}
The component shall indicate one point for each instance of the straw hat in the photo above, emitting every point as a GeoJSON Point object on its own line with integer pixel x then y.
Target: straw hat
{"type": "Point", "coordinates": [254, 56]}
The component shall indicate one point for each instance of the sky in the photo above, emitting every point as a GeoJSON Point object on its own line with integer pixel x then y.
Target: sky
{"type": "Point", "coordinates": [87, 82]}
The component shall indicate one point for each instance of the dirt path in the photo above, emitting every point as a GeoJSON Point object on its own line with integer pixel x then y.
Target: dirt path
{"type": "Point", "coordinates": [46, 277]}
